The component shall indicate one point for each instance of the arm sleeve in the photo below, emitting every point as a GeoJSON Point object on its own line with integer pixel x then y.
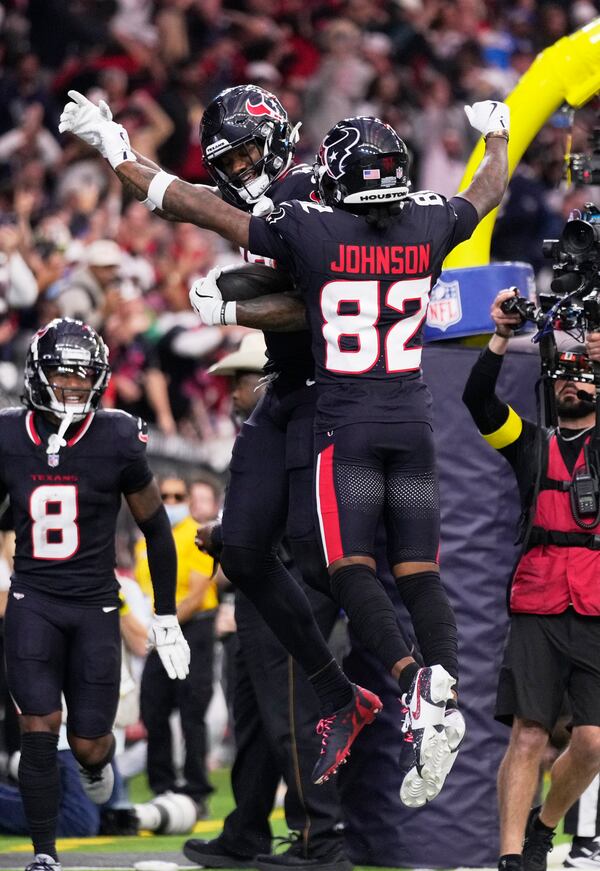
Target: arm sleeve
{"type": "Point", "coordinates": [162, 560]}
{"type": "Point", "coordinates": [488, 411]}
{"type": "Point", "coordinates": [498, 423]}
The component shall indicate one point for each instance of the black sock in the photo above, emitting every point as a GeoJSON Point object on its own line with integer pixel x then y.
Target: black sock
{"type": "Point", "coordinates": [39, 785]}
{"type": "Point", "coordinates": [332, 687]}
{"type": "Point", "coordinates": [408, 675]}
{"type": "Point", "coordinates": [432, 619]}
{"type": "Point", "coordinates": [510, 860]}
{"type": "Point", "coordinates": [358, 590]}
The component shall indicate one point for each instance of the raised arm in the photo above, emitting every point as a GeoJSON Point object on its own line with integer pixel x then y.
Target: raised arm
{"type": "Point", "coordinates": [178, 198]}
{"type": "Point", "coordinates": [489, 183]}
{"type": "Point", "coordinates": [160, 213]}
{"type": "Point", "coordinates": [187, 202]}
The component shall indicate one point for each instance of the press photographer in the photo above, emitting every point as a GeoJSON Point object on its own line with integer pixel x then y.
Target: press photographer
{"type": "Point", "coordinates": [553, 646]}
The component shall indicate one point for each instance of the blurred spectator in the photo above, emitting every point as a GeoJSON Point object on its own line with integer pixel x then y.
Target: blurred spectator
{"type": "Point", "coordinates": [413, 63]}
{"type": "Point", "coordinates": [29, 140]}
{"type": "Point", "coordinates": [84, 296]}
{"type": "Point", "coordinates": [205, 498]}
{"type": "Point", "coordinates": [196, 598]}
{"type": "Point", "coordinates": [138, 385]}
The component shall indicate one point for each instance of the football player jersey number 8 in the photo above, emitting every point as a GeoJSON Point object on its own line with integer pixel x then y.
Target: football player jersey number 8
{"type": "Point", "coordinates": [363, 325]}
{"type": "Point", "coordinates": [53, 509]}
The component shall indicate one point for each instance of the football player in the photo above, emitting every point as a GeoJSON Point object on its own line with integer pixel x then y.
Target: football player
{"type": "Point", "coordinates": [365, 261]}
{"type": "Point", "coordinates": [64, 465]}
{"type": "Point", "coordinates": [248, 145]}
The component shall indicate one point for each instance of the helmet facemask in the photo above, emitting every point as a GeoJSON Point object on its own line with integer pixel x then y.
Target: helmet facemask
{"type": "Point", "coordinates": [239, 118]}
{"type": "Point", "coordinates": [66, 347]}
{"type": "Point", "coordinates": [251, 183]}
{"type": "Point", "coordinates": [62, 399]}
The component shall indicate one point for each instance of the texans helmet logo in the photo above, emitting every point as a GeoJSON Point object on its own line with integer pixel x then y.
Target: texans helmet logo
{"type": "Point", "coordinates": [347, 139]}
{"type": "Point", "coordinates": [260, 109]}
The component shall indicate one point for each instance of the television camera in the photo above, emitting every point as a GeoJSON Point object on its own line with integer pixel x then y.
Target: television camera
{"type": "Point", "coordinates": [572, 306]}
{"type": "Point", "coordinates": [573, 303]}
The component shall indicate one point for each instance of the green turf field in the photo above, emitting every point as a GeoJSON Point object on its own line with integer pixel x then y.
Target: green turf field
{"type": "Point", "coordinates": [111, 852]}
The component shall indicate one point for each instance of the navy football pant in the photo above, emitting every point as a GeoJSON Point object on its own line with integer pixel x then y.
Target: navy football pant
{"type": "Point", "coordinates": [269, 492]}
{"type": "Point", "coordinates": [52, 647]}
{"type": "Point", "coordinates": [370, 472]}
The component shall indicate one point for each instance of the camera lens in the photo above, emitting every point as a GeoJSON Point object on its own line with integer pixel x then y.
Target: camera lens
{"type": "Point", "coordinates": [578, 237]}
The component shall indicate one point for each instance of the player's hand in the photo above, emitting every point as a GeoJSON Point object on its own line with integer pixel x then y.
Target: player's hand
{"type": "Point", "coordinates": [94, 125]}
{"type": "Point", "coordinates": [105, 110]}
{"type": "Point", "coordinates": [84, 119]}
{"type": "Point", "coordinates": [592, 346]}
{"type": "Point", "coordinates": [166, 636]}
{"type": "Point", "coordinates": [263, 207]}
{"type": "Point", "coordinates": [206, 299]}
{"type": "Point", "coordinates": [209, 539]}
{"type": "Point", "coordinates": [505, 324]}
{"type": "Point", "coordinates": [488, 116]}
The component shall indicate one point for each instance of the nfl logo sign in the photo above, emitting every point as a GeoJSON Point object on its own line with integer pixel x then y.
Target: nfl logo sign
{"type": "Point", "coordinates": [53, 460]}
{"type": "Point", "coordinates": [444, 305]}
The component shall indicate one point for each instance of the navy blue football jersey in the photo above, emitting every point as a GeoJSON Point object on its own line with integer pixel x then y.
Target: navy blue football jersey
{"type": "Point", "coordinates": [65, 506]}
{"type": "Point", "coordinates": [366, 294]}
{"type": "Point", "coordinates": [289, 354]}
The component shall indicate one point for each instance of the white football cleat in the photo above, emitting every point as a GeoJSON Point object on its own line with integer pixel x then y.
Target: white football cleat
{"type": "Point", "coordinates": [417, 790]}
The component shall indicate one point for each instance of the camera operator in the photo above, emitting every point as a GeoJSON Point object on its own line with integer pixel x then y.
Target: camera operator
{"type": "Point", "coordinates": [553, 646]}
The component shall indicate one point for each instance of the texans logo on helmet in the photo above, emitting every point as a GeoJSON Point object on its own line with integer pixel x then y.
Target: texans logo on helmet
{"type": "Point", "coordinates": [260, 109]}
{"type": "Point", "coordinates": [348, 138]}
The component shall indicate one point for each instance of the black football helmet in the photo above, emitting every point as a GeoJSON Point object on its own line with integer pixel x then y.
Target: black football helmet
{"type": "Point", "coordinates": [362, 162]}
{"type": "Point", "coordinates": [67, 347]}
{"type": "Point", "coordinates": [234, 119]}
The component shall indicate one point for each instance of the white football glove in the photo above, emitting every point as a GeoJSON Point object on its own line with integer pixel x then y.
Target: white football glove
{"type": "Point", "coordinates": [166, 636]}
{"type": "Point", "coordinates": [207, 301]}
{"type": "Point", "coordinates": [94, 125]}
{"type": "Point", "coordinates": [263, 207]}
{"type": "Point", "coordinates": [488, 116]}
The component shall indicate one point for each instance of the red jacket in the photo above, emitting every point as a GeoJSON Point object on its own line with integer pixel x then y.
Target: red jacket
{"type": "Point", "coordinates": [549, 578]}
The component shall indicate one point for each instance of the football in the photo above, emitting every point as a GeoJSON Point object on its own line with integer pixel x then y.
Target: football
{"type": "Point", "coordinates": [252, 280]}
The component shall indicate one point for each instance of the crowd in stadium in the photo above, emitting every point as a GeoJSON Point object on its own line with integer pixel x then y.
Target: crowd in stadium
{"type": "Point", "coordinates": [413, 64]}
{"type": "Point", "coordinates": [76, 242]}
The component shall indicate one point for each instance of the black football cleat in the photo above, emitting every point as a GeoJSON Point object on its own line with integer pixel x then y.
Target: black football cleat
{"type": "Point", "coordinates": [340, 730]}
{"type": "Point", "coordinates": [214, 854]}
{"type": "Point", "coordinates": [324, 854]}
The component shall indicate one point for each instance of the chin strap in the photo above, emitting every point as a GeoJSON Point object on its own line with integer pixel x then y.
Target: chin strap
{"type": "Point", "coordinates": [57, 440]}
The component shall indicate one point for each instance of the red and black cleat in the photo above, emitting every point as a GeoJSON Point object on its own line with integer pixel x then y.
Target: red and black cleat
{"type": "Point", "coordinates": [340, 730]}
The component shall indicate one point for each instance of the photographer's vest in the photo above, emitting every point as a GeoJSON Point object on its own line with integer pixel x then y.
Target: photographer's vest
{"type": "Point", "coordinates": [561, 564]}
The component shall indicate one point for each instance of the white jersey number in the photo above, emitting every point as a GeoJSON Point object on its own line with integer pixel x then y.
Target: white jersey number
{"type": "Point", "coordinates": [362, 325]}
{"type": "Point", "coordinates": [53, 509]}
